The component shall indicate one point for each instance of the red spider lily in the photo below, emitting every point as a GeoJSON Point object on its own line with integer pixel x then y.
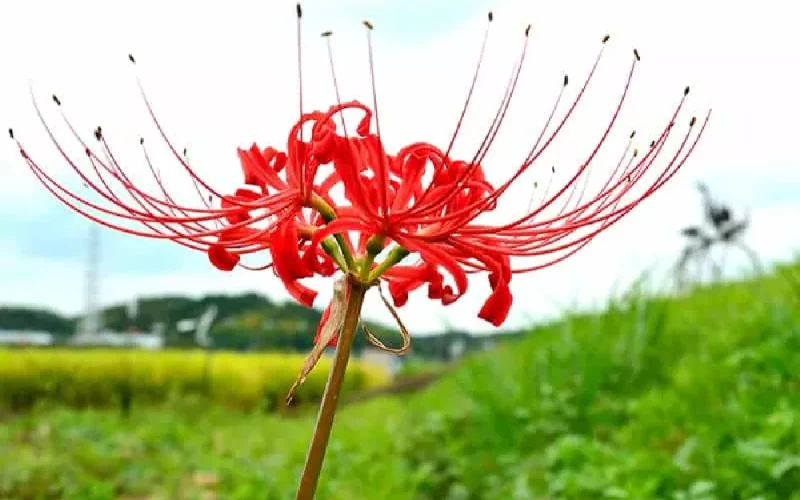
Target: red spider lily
{"type": "Point", "coordinates": [437, 220]}
{"type": "Point", "coordinates": [273, 197]}
{"type": "Point", "coordinates": [418, 201]}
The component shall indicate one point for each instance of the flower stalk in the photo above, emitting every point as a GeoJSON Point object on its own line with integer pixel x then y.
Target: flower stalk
{"type": "Point", "coordinates": [333, 388]}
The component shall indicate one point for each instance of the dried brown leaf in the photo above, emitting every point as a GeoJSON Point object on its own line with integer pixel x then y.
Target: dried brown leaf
{"type": "Point", "coordinates": [331, 328]}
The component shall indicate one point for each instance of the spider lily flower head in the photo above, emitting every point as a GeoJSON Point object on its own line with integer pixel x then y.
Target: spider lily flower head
{"type": "Point", "coordinates": [419, 200]}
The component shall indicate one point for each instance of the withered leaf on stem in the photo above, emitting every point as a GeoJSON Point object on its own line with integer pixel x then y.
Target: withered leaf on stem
{"type": "Point", "coordinates": [329, 330]}
{"type": "Point", "coordinates": [403, 330]}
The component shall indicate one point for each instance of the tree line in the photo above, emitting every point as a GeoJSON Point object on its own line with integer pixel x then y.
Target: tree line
{"type": "Point", "coordinates": [244, 322]}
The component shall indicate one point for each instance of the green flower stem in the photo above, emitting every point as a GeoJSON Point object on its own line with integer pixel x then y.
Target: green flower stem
{"type": "Point", "coordinates": [329, 214]}
{"type": "Point", "coordinates": [395, 255]}
{"type": "Point", "coordinates": [332, 249]}
{"type": "Point", "coordinates": [374, 247]}
{"type": "Point", "coordinates": [333, 388]}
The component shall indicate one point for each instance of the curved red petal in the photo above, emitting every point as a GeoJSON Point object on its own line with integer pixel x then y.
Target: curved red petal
{"type": "Point", "coordinates": [221, 258]}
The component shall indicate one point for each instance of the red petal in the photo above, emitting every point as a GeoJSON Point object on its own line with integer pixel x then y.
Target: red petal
{"type": "Point", "coordinates": [221, 258]}
{"type": "Point", "coordinates": [242, 214]}
{"type": "Point", "coordinates": [288, 265]}
{"type": "Point", "coordinates": [496, 308]}
{"type": "Point", "coordinates": [260, 168]}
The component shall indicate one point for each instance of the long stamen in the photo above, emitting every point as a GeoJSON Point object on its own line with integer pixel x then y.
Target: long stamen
{"type": "Point", "coordinates": [472, 212]}
{"type": "Point", "coordinates": [483, 147]}
{"type": "Point", "coordinates": [328, 35]}
{"type": "Point", "coordinates": [300, 81]}
{"type": "Point", "coordinates": [163, 134]}
{"type": "Point", "coordinates": [472, 86]}
{"type": "Point", "coordinates": [383, 171]}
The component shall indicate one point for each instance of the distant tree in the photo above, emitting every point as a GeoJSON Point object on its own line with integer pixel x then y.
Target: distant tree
{"type": "Point", "coordinates": [29, 319]}
{"type": "Point", "coordinates": [243, 322]}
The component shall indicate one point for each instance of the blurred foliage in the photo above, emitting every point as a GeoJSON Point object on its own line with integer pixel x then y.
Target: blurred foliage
{"type": "Point", "coordinates": [243, 323]}
{"type": "Point", "coordinates": [19, 318]}
{"type": "Point", "coordinates": [97, 378]}
{"type": "Point", "coordinates": [690, 398]}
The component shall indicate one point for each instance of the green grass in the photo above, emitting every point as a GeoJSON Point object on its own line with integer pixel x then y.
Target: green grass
{"type": "Point", "coordinates": [695, 398]}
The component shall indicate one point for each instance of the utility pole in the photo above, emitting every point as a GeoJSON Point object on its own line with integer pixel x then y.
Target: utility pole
{"type": "Point", "coordinates": [92, 321]}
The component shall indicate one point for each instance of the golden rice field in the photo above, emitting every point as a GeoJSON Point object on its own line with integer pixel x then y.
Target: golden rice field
{"type": "Point", "coordinates": [97, 378]}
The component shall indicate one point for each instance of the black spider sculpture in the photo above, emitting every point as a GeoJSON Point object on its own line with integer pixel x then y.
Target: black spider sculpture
{"type": "Point", "coordinates": [719, 229]}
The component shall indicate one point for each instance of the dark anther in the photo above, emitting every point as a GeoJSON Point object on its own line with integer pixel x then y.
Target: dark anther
{"type": "Point", "coordinates": [553, 169]}
{"type": "Point", "coordinates": [605, 38]}
{"type": "Point", "coordinates": [141, 141]}
{"type": "Point", "coordinates": [527, 30]}
{"type": "Point", "coordinates": [693, 121]}
{"type": "Point", "coordinates": [98, 133]}
{"type": "Point", "coordinates": [299, 10]}
{"type": "Point", "coordinates": [686, 90]}
{"type": "Point", "coordinates": [326, 34]}
{"type": "Point", "coordinates": [56, 100]}
{"type": "Point", "coordinates": [11, 133]}
{"type": "Point", "coordinates": [636, 55]}
{"type": "Point", "coordinates": [632, 134]}
{"type": "Point", "coordinates": [566, 80]}
{"type": "Point", "coordinates": [491, 16]}
{"type": "Point", "coordinates": [131, 58]}
{"type": "Point", "coordinates": [368, 25]}
{"type": "Point", "coordinates": [652, 143]}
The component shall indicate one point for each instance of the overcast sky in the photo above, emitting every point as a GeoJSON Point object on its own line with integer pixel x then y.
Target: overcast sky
{"type": "Point", "coordinates": [225, 77]}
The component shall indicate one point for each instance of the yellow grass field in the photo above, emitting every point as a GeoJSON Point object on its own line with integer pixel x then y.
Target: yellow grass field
{"type": "Point", "coordinates": [108, 377]}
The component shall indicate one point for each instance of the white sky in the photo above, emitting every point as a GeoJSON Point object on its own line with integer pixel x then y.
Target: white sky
{"type": "Point", "coordinates": [225, 77]}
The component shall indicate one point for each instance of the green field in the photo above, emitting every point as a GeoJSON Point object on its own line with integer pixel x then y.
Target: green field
{"type": "Point", "coordinates": [695, 398]}
{"type": "Point", "coordinates": [124, 378]}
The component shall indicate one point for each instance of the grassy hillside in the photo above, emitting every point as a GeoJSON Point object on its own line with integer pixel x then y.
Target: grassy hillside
{"type": "Point", "coordinates": [694, 398]}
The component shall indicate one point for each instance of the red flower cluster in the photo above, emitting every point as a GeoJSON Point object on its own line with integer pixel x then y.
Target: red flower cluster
{"type": "Point", "coordinates": [418, 201]}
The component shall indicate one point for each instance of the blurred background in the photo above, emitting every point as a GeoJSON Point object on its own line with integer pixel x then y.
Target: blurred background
{"type": "Point", "coordinates": [659, 362]}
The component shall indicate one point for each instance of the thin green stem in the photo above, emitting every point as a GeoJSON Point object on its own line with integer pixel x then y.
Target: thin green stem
{"type": "Point", "coordinates": [330, 398]}
{"type": "Point", "coordinates": [395, 255]}
{"type": "Point", "coordinates": [329, 214]}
